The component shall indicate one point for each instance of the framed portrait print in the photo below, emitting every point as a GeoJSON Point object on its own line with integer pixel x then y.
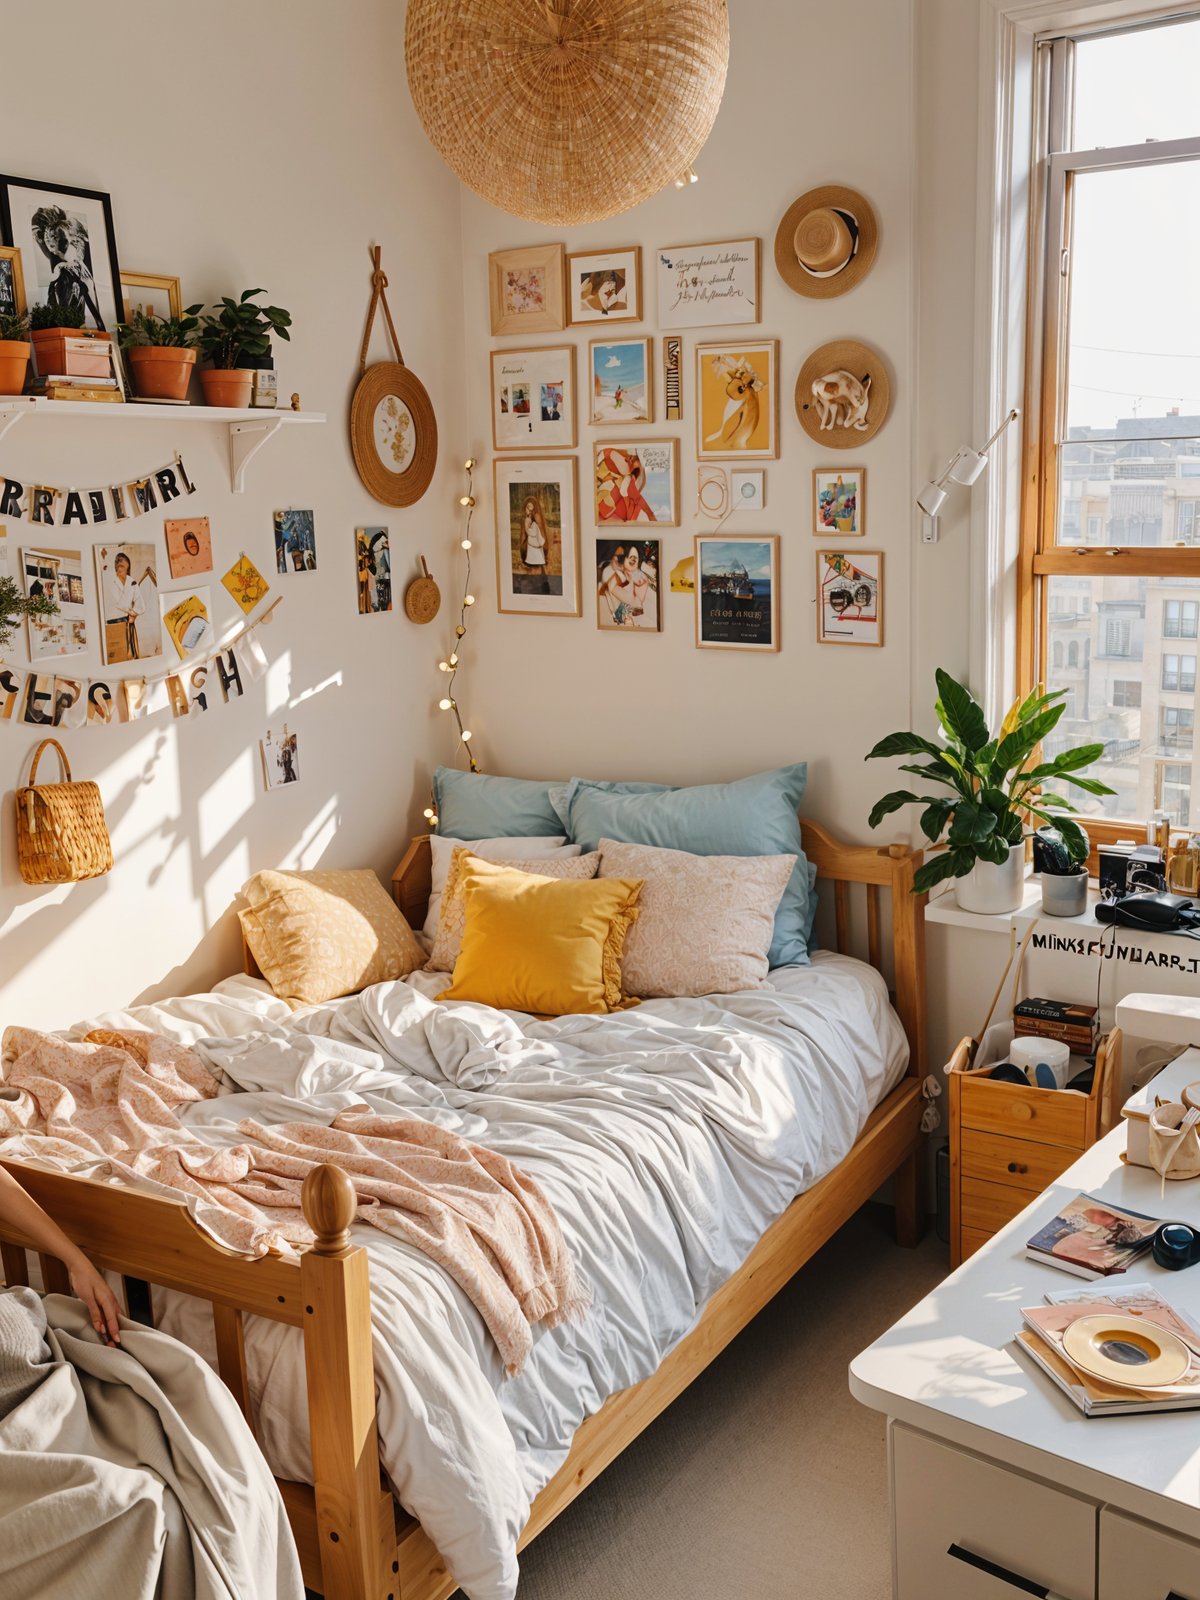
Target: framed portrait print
{"type": "Point", "coordinates": [627, 585]}
{"type": "Point", "coordinates": [525, 289]}
{"type": "Point", "coordinates": [620, 381]}
{"type": "Point", "coordinates": [537, 535]}
{"type": "Point", "coordinates": [709, 285]}
{"type": "Point", "coordinates": [737, 401]}
{"type": "Point", "coordinates": [533, 398]}
{"type": "Point", "coordinates": [737, 591]}
{"type": "Point", "coordinates": [68, 248]}
{"type": "Point", "coordinates": [839, 502]}
{"type": "Point", "coordinates": [12, 283]}
{"type": "Point", "coordinates": [151, 293]}
{"type": "Point", "coordinates": [604, 286]}
{"type": "Point", "coordinates": [850, 597]}
{"type": "Point", "coordinates": [636, 482]}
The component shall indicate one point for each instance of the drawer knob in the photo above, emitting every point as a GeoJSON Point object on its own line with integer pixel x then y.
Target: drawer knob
{"type": "Point", "coordinates": [1021, 1112]}
{"type": "Point", "coordinates": [1017, 1166]}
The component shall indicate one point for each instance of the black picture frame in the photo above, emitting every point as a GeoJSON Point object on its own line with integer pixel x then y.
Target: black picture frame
{"type": "Point", "coordinates": [108, 307]}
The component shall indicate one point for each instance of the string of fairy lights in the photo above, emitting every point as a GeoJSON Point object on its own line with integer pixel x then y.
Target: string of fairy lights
{"type": "Point", "coordinates": [453, 663]}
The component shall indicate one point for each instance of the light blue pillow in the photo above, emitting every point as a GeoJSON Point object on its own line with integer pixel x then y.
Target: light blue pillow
{"type": "Point", "coordinates": [476, 805]}
{"type": "Point", "coordinates": [752, 817]}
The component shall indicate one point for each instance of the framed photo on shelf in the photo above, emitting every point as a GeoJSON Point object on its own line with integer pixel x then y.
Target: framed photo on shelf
{"type": "Point", "coordinates": [627, 579]}
{"type": "Point", "coordinates": [636, 483]}
{"type": "Point", "coordinates": [151, 293]}
{"type": "Point", "coordinates": [850, 597]}
{"type": "Point", "coordinates": [620, 381]}
{"type": "Point", "coordinates": [525, 289]}
{"type": "Point", "coordinates": [537, 535]}
{"type": "Point", "coordinates": [12, 283]}
{"type": "Point", "coordinates": [737, 591]}
{"type": "Point", "coordinates": [533, 399]}
{"type": "Point", "coordinates": [604, 286]}
{"type": "Point", "coordinates": [709, 285]}
{"type": "Point", "coordinates": [737, 401]}
{"type": "Point", "coordinates": [839, 502]}
{"type": "Point", "coordinates": [67, 244]}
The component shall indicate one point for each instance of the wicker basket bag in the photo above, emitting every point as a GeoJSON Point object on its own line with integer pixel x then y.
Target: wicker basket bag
{"type": "Point", "coordinates": [61, 832]}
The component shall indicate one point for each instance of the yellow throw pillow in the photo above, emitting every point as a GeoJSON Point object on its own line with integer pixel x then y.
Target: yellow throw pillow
{"type": "Point", "coordinates": [318, 935]}
{"type": "Point", "coordinates": [453, 918]}
{"type": "Point", "coordinates": [535, 944]}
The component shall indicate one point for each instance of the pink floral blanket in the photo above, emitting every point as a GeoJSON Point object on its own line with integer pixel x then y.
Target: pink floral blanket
{"type": "Point", "coordinates": [113, 1100]}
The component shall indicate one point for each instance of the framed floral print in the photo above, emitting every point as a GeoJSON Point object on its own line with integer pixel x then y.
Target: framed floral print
{"type": "Point", "coordinates": [737, 400]}
{"type": "Point", "coordinates": [604, 286]}
{"type": "Point", "coordinates": [839, 502]}
{"type": "Point", "coordinates": [525, 289]}
{"type": "Point", "coordinates": [533, 399]}
{"type": "Point", "coordinates": [621, 387]}
{"type": "Point", "coordinates": [537, 535]}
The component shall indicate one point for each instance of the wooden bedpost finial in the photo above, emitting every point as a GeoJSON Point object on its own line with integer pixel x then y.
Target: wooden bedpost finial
{"type": "Point", "coordinates": [328, 1202]}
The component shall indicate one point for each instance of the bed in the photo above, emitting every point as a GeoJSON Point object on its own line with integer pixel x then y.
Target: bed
{"type": "Point", "coordinates": [824, 1042]}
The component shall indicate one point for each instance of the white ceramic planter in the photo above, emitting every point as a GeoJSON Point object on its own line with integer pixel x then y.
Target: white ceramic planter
{"type": "Point", "coordinates": [991, 890]}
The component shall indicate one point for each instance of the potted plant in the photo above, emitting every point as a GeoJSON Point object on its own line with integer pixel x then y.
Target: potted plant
{"type": "Point", "coordinates": [14, 605]}
{"type": "Point", "coordinates": [14, 351]}
{"type": "Point", "coordinates": [1061, 863]}
{"type": "Point", "coordinates": [997, 786]}
{"type": "Point", "coordinates": [238, 334]}
{"type": "Point", "coordinates": [52, 326]}
{"type": "Point", "coordinates": [161, 352]}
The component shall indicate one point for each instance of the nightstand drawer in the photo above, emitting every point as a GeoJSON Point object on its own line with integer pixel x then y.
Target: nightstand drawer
{"type": "Point", "coordinates": [1046, 1116]}
{"type": "Point", "coordinates": [1138, 1562]}
{"type": "Point", "coordinates": [988, 1206]}
{"type": "Point", "coordinates": [1016, 1163]}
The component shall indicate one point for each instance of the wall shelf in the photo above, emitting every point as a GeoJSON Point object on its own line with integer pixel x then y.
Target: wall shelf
{"type": "Point", "coordinates": [249, 428]}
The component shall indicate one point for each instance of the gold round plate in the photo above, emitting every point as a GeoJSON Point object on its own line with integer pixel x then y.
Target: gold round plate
{"type": "Point", "coordinates": [859, 360]}
{"type": "Point", "coordinates": [1166, 1355]}
{"type": "Point", "coordinates": [391, 412]}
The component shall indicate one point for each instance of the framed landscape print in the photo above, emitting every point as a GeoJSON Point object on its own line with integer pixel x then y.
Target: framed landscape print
{"type": "Point", "coordinates": [709, 285]}
{"type": "Point", "coordinates": [627, 585]}
{"type": "Point", "coordinates": [537, 535]}
{"type": "Point", "coordinates": [525, 289]}
{"type": "Point", "coordinates": [12, 283]}
{"type": "Point", "coordinates": [839, 502]}
{"type": "Point", "coordinates": [151, 293]}
{"type": "Point", "coordinates": [68, 248]}
{"type": "Point", "coordinates": [737, 400]}
{"type": "Point", "coordinates": [533, 398]}
{"type": "Point", "coordinates": [850, 597]}
{"type": "Point", "coordinates": [620, 381]}
{"type": "Point", "coordinates": [636, 482]}
{"type": "Point", "coordinates": [737, 591]}
{"type": "Point", "coordinates": [604, 286]}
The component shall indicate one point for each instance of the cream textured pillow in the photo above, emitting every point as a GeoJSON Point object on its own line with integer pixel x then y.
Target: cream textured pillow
{"type": "Point", "coordinates": [318, 935]}
{"type": "Point", "coordinates": [705, 923]}
{"type": "Point", "coordinates": [441, 851]}
{"type": "Point", "coordinates": [448, 942]}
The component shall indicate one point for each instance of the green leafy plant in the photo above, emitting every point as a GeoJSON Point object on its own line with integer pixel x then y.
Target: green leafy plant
{"type": "Point", "coordinates": [14, 327]}
{"type": "Point", "coordinates": [240, 332]}
{"type": "Point", "coordinates": [175, 333]}
{"type": "Point", "coordinates": [56, 317]}
{"type": "Point", "coordinates": [14, 605]}
{"type": "Point", "coordinates": [997, 784]}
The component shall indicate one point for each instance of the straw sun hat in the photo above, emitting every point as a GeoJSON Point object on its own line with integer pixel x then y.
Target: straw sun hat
{"type": "Point", "coordinates": [826, 242]}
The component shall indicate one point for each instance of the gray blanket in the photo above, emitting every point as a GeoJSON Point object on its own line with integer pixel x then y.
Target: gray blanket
{"type": "Point", "coordinates": [127, 1472]}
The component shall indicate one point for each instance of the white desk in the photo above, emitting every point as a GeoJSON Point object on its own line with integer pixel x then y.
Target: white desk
{"type": "Point", "coordinates": [948, 1375]}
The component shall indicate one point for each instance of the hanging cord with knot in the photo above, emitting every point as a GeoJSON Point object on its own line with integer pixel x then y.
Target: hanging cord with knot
{"type": "Point", "coordinates": [378, 293]}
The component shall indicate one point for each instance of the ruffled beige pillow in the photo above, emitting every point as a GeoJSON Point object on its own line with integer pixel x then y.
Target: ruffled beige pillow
{"type": "Point", "coordinates": [318, 935]}
{"type": "Point", "coordinates": [447, 943]}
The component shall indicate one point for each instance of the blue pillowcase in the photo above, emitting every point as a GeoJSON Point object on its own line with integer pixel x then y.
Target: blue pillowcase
{"type": "Point", "coordinates": [753, 816]}
{"type": "Point", "coordinates": [478, 805]}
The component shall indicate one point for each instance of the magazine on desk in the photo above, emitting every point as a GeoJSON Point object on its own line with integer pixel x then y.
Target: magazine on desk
{"type": "Point", "coordinates": [1093, 1238]}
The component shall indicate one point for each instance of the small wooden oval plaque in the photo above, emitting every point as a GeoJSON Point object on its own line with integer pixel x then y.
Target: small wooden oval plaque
{"type": "Point", "coordinates": [422, 598]}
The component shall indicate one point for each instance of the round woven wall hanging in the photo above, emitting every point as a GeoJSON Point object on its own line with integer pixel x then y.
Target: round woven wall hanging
{"type": "Point", "coordinates": [843, 394]}
{"type": "Point", "coordinates": [393, 431]}
{"type": "Point", "coordinates": [567, 111]}
{"type": "Point", "coordinates": [422, 598]}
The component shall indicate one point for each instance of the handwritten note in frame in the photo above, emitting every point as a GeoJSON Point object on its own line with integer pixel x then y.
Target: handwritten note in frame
{"type": "Point", "coordinates": [709, 285]}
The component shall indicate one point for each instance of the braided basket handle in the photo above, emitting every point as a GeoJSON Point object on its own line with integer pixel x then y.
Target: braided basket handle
{"type": "Point", "coordinates": [378, 297]}
{"type": "Point", "coordinates": [37, 756]}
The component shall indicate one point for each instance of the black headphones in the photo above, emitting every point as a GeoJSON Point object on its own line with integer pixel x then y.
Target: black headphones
{"type": "Point", "coordinates": [1176, 1245]}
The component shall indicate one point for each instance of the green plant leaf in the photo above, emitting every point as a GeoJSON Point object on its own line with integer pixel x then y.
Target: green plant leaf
{"type": "Point", "coordinates": [933, 818]}
{"type": "Point", "coordinates": [994, 850]}
{"type": "Point", "coordinates": [971, 824]}
{"type": "Point", "coordinates": [903, 744]}
{"type": "Point", "coordinates": [889, 803]}
{"type": "Point", "coordinates": [933, 872]}
{"type": "Point", "coordinates": [960, 713]}
{"type": "Point", "coordinates": [1014, 749]}
{"type": "Point", "coordinates": [1089, 785]}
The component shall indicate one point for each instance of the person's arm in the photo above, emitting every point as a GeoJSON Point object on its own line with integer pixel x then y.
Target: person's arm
{"type": "Point", "coordinates": [23, 1211]}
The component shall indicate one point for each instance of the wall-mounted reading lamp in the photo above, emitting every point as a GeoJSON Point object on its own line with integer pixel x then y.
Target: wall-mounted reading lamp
{"type": "Point", "coordinates": [966, 468]}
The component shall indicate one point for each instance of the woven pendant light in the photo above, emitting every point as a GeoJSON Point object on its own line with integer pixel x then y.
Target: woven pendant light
{"type": "Point", "coordinates": [567, 111]}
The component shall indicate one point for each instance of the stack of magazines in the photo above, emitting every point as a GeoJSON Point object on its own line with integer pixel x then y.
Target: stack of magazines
{"type": "Point", "coordinates": [1093, 1238]}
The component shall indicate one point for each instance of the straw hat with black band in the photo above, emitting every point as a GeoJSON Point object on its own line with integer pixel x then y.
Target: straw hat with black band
{"type": "Point", "coordinates": [826, 241]}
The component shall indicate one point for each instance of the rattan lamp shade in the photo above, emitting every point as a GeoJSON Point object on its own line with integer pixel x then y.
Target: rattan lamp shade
{"type": "Point", "coordinates": [567, 111]}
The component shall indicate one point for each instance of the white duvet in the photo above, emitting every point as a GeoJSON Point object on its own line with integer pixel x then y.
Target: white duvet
{"type": "Point", "coordinates": [667, 1137]}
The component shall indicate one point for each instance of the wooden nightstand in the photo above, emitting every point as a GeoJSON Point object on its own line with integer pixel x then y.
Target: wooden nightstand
{"type": "Point", "coordinates": [1008, 1143]}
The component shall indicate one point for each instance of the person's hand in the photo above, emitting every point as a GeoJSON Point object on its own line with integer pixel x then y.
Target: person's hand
{"type": "Point", "coordinates": [91, 1287]}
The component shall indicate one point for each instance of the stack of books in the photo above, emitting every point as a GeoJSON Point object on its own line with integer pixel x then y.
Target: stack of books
{"type": "Point", "coordinates": [1077, 1026]}
{"type": "Point", "coordinates": [60, 387]}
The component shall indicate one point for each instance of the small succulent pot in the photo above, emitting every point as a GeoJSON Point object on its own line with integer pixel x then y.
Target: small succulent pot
{"type": "Point", "coordinates": [1065, 894]}
{"type": "Point", "coordinates": [14, 364]}
{"type": "Point", "coordinates": [160, 371]}
{"type": "Point", "coordinates": [227, 386]}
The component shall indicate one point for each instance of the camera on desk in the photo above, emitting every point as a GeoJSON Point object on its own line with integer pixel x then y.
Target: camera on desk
{"type": "Point", "coordinates": [1131, 869]}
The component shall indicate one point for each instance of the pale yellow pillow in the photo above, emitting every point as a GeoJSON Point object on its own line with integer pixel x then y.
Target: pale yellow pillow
{"type": "Point", "coordinates": [318, 935]}
{"type": "Point", "coordinates": [448, 941]}
{"type": "Point", "coordinates": [534, 944]}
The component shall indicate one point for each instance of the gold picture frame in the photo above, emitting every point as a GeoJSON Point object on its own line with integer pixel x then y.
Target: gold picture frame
{"type": "Point", "coordinates": [552, 482]}
{"type": "Point", "coordinates": [604, 286]}
{"type": "Point", "coordinates": [525, 289]}
{"type": "Point", "coordinates": [734, 382]}
{"type": "Point", "coordinates": [732, 612]}
{"type": "Point", "coordinates": [12, 282]}
{"type": "Point", "coordinates": [534, 399]}
{"type": "Point", "coordinates": [647, 496]}
{"type": "Point", "coordinates": [846, 488]}
{"type": "Point", "coordinates": [618, 369]}
{"type": "Point", "coordinates": [845, 624]}
{"type": "Point", "coordinates": [156, 285]}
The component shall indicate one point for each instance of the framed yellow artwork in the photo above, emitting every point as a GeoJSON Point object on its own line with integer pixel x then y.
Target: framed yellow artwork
{"type": "Point", "coordinates": [737, 401]}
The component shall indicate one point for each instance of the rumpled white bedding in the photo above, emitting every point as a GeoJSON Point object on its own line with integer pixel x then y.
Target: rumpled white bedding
{"type": "Point", "coordinates": [667, 1138]}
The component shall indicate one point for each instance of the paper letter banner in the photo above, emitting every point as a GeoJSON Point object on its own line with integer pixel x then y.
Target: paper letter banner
{"type": "Point", "coordinates": [52, 507]}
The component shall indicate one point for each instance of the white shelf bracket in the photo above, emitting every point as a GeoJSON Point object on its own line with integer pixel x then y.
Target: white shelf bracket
{"type": "Point", "coordinates": [246, 439]}
{"type": "Point", "coordinates": [10, 419]}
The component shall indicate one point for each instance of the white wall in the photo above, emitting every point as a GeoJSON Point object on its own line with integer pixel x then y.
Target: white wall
{"type": "Point", "coordinates": [243, 145]}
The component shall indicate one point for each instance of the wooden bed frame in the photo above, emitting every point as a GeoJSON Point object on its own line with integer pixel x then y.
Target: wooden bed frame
{"type": "Point", "coordinates": [355, 1543]}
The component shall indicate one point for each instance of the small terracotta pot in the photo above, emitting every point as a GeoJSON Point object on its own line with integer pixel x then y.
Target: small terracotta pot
{"type": "Point", "coordinates": [227, 386]}
{"type": "Point", "coordinates": [160, 371]}
{"type": "Point", "coordinates": [14, 364]}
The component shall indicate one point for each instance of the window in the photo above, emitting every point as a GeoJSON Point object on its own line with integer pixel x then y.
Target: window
{"type": "Point", "coordinates": [1110, 544]}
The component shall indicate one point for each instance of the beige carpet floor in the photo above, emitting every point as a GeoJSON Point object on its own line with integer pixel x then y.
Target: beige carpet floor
{"type": "Point", "coordinates": [765, 1478]}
